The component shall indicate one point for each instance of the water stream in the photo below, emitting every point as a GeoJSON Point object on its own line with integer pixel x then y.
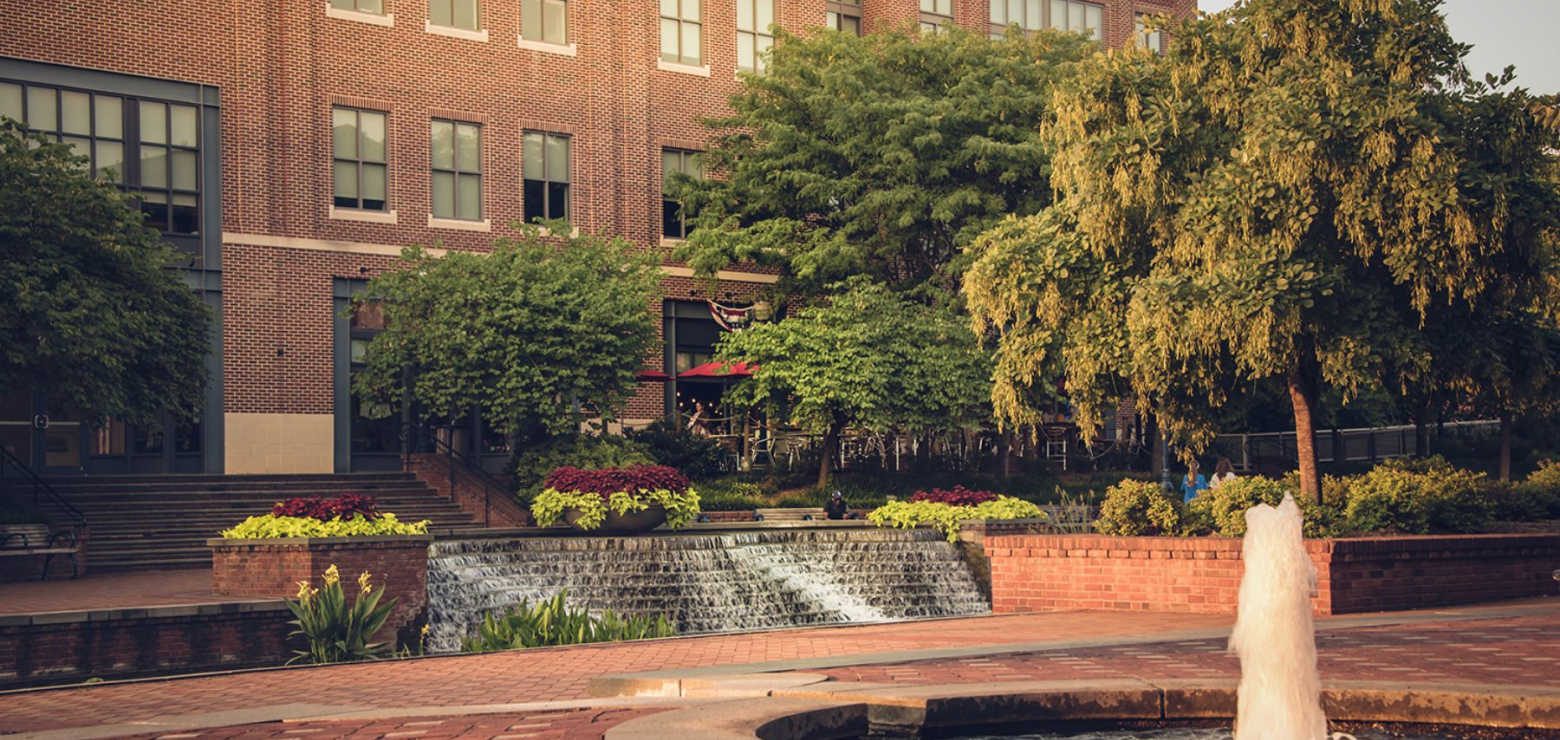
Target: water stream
{"type": "Point", "coordinates": [706, 583]}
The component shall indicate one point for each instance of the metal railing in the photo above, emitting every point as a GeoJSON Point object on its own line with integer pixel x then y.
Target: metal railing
{"type": "Point", "coordinates": [40, 487]}
{"type": "Point", "coordinates": [1247, 451]}
{"type": "Point", "coordinates": [415, 438]}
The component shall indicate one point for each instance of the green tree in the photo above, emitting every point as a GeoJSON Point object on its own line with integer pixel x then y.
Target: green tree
{"type": "Point", "coordinates": [533, 335]}
{"type": "Point", "coordinates": [1281, 195]}
{"type": "Point", "coordinates": [93, 312]}
{"type": "Point", "coordinates": [883, 155]}
{"type": "Point", "coordinates": [867, 358]}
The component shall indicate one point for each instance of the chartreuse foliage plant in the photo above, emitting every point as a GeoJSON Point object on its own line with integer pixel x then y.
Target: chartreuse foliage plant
{"type": "Point", "coordinates": [1223, 510]}
{"type": "Point", "coordinates": [335, 629]}
{"type": "Point", "coordinates": [271, 526]}
{"type": "Point", "coordinates": [1417, 497]}
{"type": "Point", "coordinates": [549, 506]}
{"type": "Point", "coordinates": [947, 518]}
{"type": "Point", "coordinates": [1137, 508]}
{"type": "Point", "coordinates": [90, 313]}
{"type": "Point", "coordinates": [1298, 190]}
{"type": "Point", "coordinates": [552, 622]}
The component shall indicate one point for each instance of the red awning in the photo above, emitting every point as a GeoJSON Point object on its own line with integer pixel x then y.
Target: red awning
{"type": "Point", "coordinates": [652, 376]}
{"type": "Point", "coordinates": [720, 370]}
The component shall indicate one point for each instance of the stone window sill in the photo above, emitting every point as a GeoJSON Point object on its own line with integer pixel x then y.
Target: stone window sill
{"type": "Point", "coordinates": [564, 50]}
{"type": "Point", "coordinates": [459, 33]}
{"type": "Point", "coordinates": [459, 224]}
{"type": "Point", "coordinates": [373, 19]}
{"type": "Point", "coordinates": [353, 214]}
{"type": "Point", "coordinates": [686, 69]}
{"type": "Point", "coordinates": [671, 241]}
{"type": "Point", "coordinates": [574, 232]}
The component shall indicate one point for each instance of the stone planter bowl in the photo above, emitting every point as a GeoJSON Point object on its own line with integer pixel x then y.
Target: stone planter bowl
{"type": "Point", "coordinates": [619, 524]}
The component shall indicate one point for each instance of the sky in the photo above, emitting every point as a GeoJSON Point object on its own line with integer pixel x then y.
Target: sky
{"type": "Point", "coordinates": [1520, 32]}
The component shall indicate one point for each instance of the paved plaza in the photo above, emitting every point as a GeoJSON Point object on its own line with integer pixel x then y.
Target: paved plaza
{"type": "Point", "coordinates": [544, 693]}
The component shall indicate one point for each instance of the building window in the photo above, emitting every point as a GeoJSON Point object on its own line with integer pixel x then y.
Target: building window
{"type": "Point", "coordinates": [1022, 13]}
{"type": "Point", "coordinates": [935, 15]}
{"type": "Point", "coordinates": [453, 13]}
{"type": "Point", "coordinates": [457, 170]}
{"type": "Point", "coordinates": [377, 7]}
{"type": "Point", "coordinates": [546, 176]}
{"type": "Point", "coordinates": [844, 15]}
{"type": "Point", "coordinates": [361, 172]}
{"type": "Point", "coordinates": [674, 221]}
{"type": "Point", "coordinates": [682, 32]}
{"type": "Point", "coordinates": [1071, 15]}
{"type": "Point", "coordinates": [148, 146]}
{"type": "Point", "coordinates": [1147, 39]}
{"type": "Point", "coordinates": [754, 17]}
{"type": "Point", "coordinates": [546, 21]}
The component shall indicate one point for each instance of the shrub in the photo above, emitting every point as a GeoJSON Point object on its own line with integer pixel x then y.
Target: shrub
{"type": "Point", "coordinates": [948, 518]}
{"type": "Point", "coordinates": [1417, 496]}
{"type": "Point", "coordinates": [1223, 510]}
{"type": "Point", "coordinates": [271, 526]}
{"type": "Point", "coordinates": [552, 622]}
{"type": "Point", "coordinates": [956, 496]}
{"type": "Point", "coordinates": [583, 451]}
{"type": "Point", "coordinates": [696, 455]}
{"type": "Point", "coordinates": [595, 492]}
{"type": "Point", "coordinates": [345, 507]}
{"type": "Point", "coordinates": [334, 630]}
{"type": "Point", "coordinates": [731, 495]}
{"type": "Point", "coordinates": [1541, 490]}
{"type": "Point", "coordinates": [1137, 508]}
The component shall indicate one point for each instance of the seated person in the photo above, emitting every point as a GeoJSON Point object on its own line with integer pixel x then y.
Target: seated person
{"type": "Point", "coordinates": [836, 508]}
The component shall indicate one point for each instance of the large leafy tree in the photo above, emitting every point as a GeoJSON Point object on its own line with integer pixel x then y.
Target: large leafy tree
{"type": "Point", "coordinates": [1283, 195]}
{"type": "Point", "coordinates": [91, 310]}
{"type": "Point", "coordinates": [869, 359]}
{"type": "Point", "coordinates": [533, 335]}
{"type": "Point", "coordinates": [880, 156]}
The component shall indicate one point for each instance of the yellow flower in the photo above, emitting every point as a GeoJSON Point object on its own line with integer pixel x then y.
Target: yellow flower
{"type": "Point", "coordinates": [332, 576]}
{"type": "Point", "coordinates": [363, 586]}
{"type": "Point", "coordinates": [303, 590]}
{"type": "Point", "coordinates": [425, 630]}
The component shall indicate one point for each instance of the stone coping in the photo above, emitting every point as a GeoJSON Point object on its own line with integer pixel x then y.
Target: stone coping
{"type": "Point", "coordinates": [143, 612]}
{"type": "Point", "coordinates": [1335, 544]}
{"type": "Point", "coordinates": [393, 539]}
{"type": "Point", "coordinates": [798, 706]}
{"type": "Point", "coordinates": [706, 528]}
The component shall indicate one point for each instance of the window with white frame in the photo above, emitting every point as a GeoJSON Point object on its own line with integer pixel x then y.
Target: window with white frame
{"type": "Point", "coordinates": [546, 21]}
{"type": "Point", "coordinates": [376, 7]}
{"type": "Point", "coordinates": [456, 150]}
{"type": "Point", "coordinates": [454, 13]}
{"type": "Point", "coordinates": [754, 17]}
{"type": "Point", "coordinates": [682, 32]}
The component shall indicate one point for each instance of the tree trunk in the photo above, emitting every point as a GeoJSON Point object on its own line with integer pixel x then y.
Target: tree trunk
{"type": "Point", "coordinates": [1004, 457]}
{"type": "Point", "coordinates": [1505, 444]}
{"type": "Point", "coordinates": [1156, 462]}
{"type": "Point", "coordinates": [831, 450]}
{"type": "Point", "coordinates": [1302, 394]}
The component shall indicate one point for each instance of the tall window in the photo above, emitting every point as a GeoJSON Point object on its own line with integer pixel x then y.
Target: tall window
{"type": "Point", "coordinates": [545, 20]}
{"type": "Point", "coordinates": [1147, 39]}
{"type": "Point", "coordinates": [377, 7]}
{"type": "Point", "coordinates": [546, 176]}
{"type": "Point", "coordinates": [457, 170]}
{"type": "Point", "coordinates": [844, 15]}
{"type": "Point", "coordinates": [453, 13]}
{"type": "Point", "coordinates": [682, 35]}
{"type": "Point", "coordinates": [754, 17]}
{"type": "Point", "coordinates": [1023, 13]}
{"type": "Point", "coordinates": [149, 146]}
{"type": "Point", "coordinates": [1072, 15]}
{"type": "Point", "coordinates": [936, 14]}
{"type": "Point", "coordinates": [674, 222]}
{"type": "Point", "coordinates": [361, 172]}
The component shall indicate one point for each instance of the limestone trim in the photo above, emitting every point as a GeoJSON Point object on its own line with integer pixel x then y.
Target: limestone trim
{"type": "Point", "coordinates": [358, 16]}
{"type": "Point", "coordinates": [564, 50]}
{"type": "Point", "coordinates": [685, 69]}
{"type": "Point", "coordinates": [318, 245]}
{"type": "Point", "coordinates": [372, 217]}
{"type": "Point", "coordinates": [732, 275]}
{"type": "Point", "coordinates": [279, 443]}
{"type": "Point", "coordinates": [460, 224]}
{"type": "Point", "coordinates": [453, 32]}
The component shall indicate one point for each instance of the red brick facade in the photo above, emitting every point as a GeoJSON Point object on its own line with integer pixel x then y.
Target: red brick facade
{"type": "Point", "coordinates": [273, 568]}
{"type": "Point", "coordinates": [1202, 574]}
{"type": "Point", "coordinates": [281, 66]}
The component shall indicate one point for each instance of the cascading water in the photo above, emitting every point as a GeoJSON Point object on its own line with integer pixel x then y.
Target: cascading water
{"type": "Point", "coordinates": [706, 583]}
{"type": "Point", "coordinates": [1280, 689]}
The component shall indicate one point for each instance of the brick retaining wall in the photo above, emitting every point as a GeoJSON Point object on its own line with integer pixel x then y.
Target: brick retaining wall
{"type": "Point", "coordinates": [63, 647]}
{"type": "Point", "coordinates": [272, 569]}
{"type": "Point", "coordinates": [1202, 574]}
{"type": "Point", "coordinates": [490, 509]}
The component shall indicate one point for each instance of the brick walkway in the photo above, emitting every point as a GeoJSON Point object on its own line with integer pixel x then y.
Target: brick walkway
{"type": "Point", "coordinates": [1517, 648]}
{"type": "Point", "coordinates": [109, 591]}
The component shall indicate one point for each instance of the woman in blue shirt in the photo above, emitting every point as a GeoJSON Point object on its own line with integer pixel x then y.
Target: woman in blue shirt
{"type": "Point", "coordinates": [1194, 482]}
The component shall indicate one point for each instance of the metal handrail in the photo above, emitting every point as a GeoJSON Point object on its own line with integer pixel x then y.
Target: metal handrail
{"type": "Point", "coordinates": [489, 483]}
{"type": "Point", "coordinates": [9, 460]}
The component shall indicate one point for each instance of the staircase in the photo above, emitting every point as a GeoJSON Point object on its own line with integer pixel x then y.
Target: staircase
{"type": "Point", "coordinates": [156, 522]}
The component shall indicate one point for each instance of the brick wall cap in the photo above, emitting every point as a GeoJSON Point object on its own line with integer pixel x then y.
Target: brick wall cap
{"type": "Point", "coordinates": [303, 542]}
{"type": "Point", "coordinates": [214, 608]}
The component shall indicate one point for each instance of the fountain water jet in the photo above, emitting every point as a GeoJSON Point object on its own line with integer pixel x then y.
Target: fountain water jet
{"type": "Point", "coordinates": [1280, 689]}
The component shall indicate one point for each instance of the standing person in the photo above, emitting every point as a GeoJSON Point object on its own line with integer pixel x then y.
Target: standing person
{"type": "Point", "coordinates": [1194, 482]}
{"type": "Point", "coordinates": [836, 508]}
{"type": "Point", "coordinates": [1223, 473]}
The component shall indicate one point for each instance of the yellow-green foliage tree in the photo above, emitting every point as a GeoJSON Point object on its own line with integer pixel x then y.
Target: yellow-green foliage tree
{"type": "Point", "coordinates": [1285, 194]}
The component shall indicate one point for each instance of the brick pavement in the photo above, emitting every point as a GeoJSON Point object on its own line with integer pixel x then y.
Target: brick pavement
{"type": "Point", "coordinates": [579, 724]}
{"type": "Point", "coordinates": [110, 591]}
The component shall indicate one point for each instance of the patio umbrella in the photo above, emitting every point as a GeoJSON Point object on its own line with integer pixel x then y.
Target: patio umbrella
{"type": "Point", "coordinates": [652, 376]}
{"type": "Point", "coordinates": [720, 370]}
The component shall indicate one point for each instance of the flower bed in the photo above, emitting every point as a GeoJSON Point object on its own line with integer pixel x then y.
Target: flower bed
{"type": "Point", "coordinates": [947, 518]}
{"type": "Point", "coordinates": [350, 515]}
{"type": "Point", "coordinates": [594, 494]}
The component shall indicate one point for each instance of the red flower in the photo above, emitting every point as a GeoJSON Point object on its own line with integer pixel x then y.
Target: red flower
{"type": "Point", "coordinates": [956, 496]}
{"type": "Point", "coordinates": [635, 480]}
{"type": "Point", "coordinates": [347, 506]}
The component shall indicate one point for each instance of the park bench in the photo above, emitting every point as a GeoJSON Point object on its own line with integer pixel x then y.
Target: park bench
{"type": "Point", "coordinates": [35, 540]}
{"type": "Point", "coordinates": [789, 515]}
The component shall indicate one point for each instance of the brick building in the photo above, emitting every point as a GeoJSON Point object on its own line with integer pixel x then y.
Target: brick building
{"type": "Point", "coordinates": [292, 148]}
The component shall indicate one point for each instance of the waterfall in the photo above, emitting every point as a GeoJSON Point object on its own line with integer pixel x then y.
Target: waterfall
{"type": "Point", "coordinates": [706, 583]}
